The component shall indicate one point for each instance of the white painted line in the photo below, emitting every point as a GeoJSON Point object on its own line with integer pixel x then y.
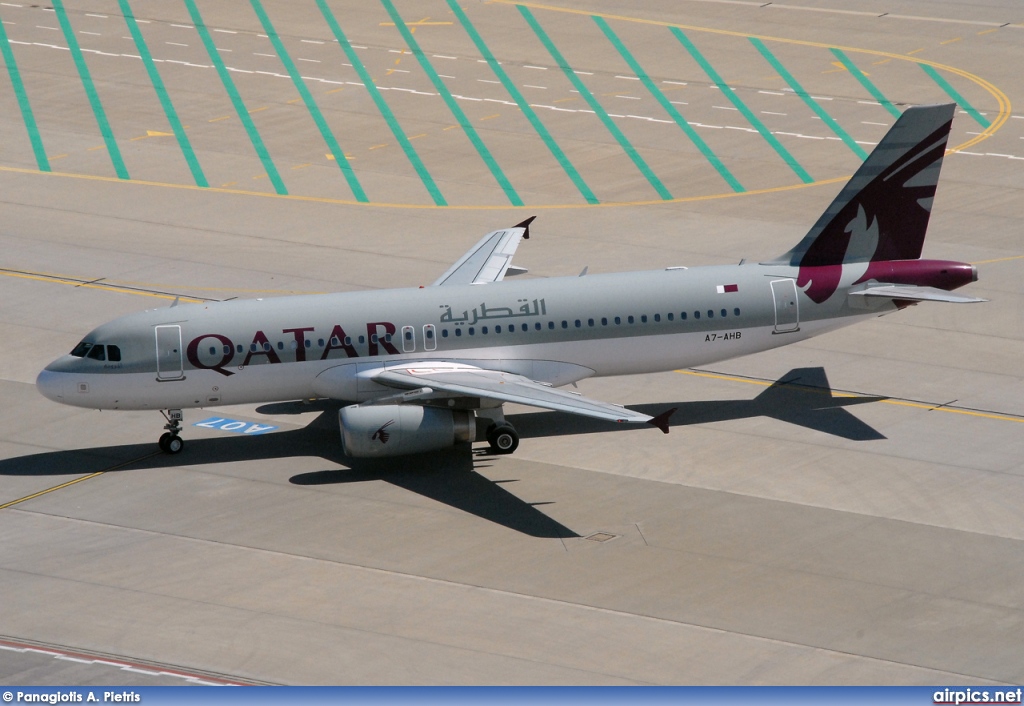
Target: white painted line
{"type": "Point", "coordinates": [183, 26]}
{"type": "Point", "coordinates": [821, 98]}
{"type": "Point", "coordinates": [226, 31]}
{"type": "Point", "coordinates": [584, 73]}
{"type": "Point", "coordinates": [42, 27]}
{"type": "Point", "coordinates": [95, 34]}
{"type": "Point", "coordinates": [401, 71]}
{"type": "Point", "coordinates": [176, 44]}
{"type": "Point", "coordinates": [539, 68]}
{"type": "Point", "coordinates": [102, 17]}
{"type": "Point", "coordinates": [543, 88]}
{"type": "Point", "coordinates": [441, 75]}
{"type": "Point", "coordinates": [974, 133]}
{"type": "Point", "coordinates": [73, 659]}
{"type": "Point", "coordinates": [678, 103]}
{"type": "Point", "coordinates": [772, 93]}
{"type": "Point", "coordinates": [10, 4]}
{"type": "Point", "coordinates": [258, 54]}
{"type": "Point", "coordinates": [219, 49]}
{"type": "Point", "coordinates": [866, 122]}
{"type": "Point", "coordinates": [675, 83]}
{"type": "Point", "coordinates": [311, 41]}
{"type": "Point", "coordinates": [724, 107]}
{"type": "Point", "coordinates": [632, 98]}
{"type": "Point", "coordinates": [485, 80]}
{"type": "Point", "coordinates": [768, 112]}
{"type": "Point", "coordinates": [315, 61]}
{"type": "Point", "coordinates": [436, 56]}
{"type": "Point", "coordinates": [629, 78]}
{"type": "Point", "coordinates": [869, 102]}
{"type": "Point", "coordinates": [354, 46]}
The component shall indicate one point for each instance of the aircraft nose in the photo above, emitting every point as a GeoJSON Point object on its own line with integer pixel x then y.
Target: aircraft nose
{"type": "Point", "coordinates": [51, 385]}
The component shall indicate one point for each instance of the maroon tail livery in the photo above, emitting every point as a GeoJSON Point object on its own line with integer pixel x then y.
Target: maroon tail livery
{"type": "Point", "coordinates": [881, 215]}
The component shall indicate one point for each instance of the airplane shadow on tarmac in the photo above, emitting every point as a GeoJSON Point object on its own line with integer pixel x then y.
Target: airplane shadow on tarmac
{"type": "Point", "coordinates": [800, 397]}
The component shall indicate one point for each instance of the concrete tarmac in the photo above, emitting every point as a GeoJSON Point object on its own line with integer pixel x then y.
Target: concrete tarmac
{"type": "Point", "coordinates": [862, 526]}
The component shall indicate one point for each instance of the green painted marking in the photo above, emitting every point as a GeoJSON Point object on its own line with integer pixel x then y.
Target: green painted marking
{"type": "Point", "coordinates": [90, 90]}
{"type": "Point", "coordinates": [741, 106]}
{"type": "Point", "coordinates": [806, 97]}
{"type": "Point", "coordinates": [161, 92]}
{"type": "Point", "coordinates": [667, 105]}
{"type": "Point", "coordinates": [449, 100]}
{"type": "Point", "coordinates": [594, 105]}
{"type": "Point", "coordinates": [961, 101]}
{"type": "Point", "coordinates": [23, 104]}
{"type": "Point", "coordinates": [307, 98]}
{"type": "Point", "coordinates": [524, 106]}
{"type": "Point", "coordinates": [236, 99]}
{"type": "Point", "coordinates": [864, 81]}
{"type": "Point", "coordinates": [382, 106]}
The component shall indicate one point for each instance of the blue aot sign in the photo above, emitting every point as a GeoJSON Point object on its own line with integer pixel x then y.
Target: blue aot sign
{"type": "Point", "coordinates": [233, 425]}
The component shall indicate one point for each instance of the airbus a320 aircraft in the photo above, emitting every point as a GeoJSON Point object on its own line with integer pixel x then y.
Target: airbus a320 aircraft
{"type": "Point", "coordinates": [420, 365]}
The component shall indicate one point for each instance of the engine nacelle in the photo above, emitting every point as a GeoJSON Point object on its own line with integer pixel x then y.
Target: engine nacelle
{"type": "Point", "coordinates": [374, 431]}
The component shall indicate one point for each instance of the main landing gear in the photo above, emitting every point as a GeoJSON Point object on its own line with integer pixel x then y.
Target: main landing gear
{"type": "Point", "coordinates": [170, 442]}
{"type": "Point", "coordinates": [503, 438]}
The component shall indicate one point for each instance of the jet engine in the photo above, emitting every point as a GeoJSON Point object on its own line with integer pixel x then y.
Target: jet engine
{"type": "Point", "coordinates": [395, 430]}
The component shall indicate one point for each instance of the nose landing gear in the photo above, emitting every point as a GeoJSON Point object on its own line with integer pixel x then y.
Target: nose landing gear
{"type": "Point", "coordinates": [170, 442]}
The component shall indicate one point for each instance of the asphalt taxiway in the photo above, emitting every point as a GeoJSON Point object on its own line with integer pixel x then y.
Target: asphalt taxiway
{"type": "Point", "coordinates": [845, 510]}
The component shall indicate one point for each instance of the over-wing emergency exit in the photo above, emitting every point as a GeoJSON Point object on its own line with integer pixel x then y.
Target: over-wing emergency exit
{"type": "Point", "coordinates": [420, 366]}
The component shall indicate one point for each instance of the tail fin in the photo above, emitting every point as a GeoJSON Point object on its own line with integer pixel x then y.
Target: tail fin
{"type": "Point", "coordinates": [882, 212]}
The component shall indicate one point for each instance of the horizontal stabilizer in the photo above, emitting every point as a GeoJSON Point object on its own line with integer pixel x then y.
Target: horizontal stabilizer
{"type": "Point", "coordinates": [911, 292]}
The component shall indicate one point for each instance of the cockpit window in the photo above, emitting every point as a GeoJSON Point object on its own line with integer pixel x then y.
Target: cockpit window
{"type": "Point", "coordinates": [97, 353]}
{"type": "Point", "coordinates": [81, 349]}
{"type": "Point", "coordinates": [113, 354]}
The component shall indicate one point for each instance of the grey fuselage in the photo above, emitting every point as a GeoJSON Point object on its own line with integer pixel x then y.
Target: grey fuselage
{"type": "Point", "coordinates": [556, 331]}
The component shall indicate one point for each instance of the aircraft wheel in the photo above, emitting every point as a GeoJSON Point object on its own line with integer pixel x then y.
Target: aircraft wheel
{"type": "Point", "coordinates": [171, 443]}
{"type": "Point", "coordinates": [503, 439]}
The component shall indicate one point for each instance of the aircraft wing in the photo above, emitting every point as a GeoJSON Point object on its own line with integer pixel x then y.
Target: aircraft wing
{"type": "Point", "coordinates": [509, 387]}
{"type": "Point", "coordinates": [914, 293]}
{"type": "Point", "coordinates": [490, 259]}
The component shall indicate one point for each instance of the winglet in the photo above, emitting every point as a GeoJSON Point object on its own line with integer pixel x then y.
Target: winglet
{"type": "Point", "coordinates": [661, 421]}
{"type": "Point", "coordinates": [526, 226]}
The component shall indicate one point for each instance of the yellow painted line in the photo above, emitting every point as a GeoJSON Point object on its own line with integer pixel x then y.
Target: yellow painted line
{"type": "Point", "coordinates": [483, 207]}
{"type": "Point", "coordinates": [999, 259]}
{"type": "Point", "coordinates": [223, 117]}
{"type": "Point", "coordinates": [879, 63]}
{"type": "Point", "coordinates": [302, 166]}
{"type": "Point", "coordinates": [377, 147]}
{"type": "Point", "coordinates": [989, 31]}
{"type": "Point", "coordinates": [491, 117]}
{"type": "Point", "coordinates": [256, 110]}
{"type": "Point", "coordinates": [451, 127]}
{"type": "Point", "coordinates": [91, 149]}
{"type": "Point", "coordinates": [76, 480]}
{"type": "Point", "coordinates": [899, 403]}
{"type": "Point", "coordinates": [334, 90]}
{"type": "Point", "coordinates": [295, 100]}
{"type": "Point", "coordinates": [57, 156]}
{"type": "Point", "coordinates": [916, 51]}
{"type": "Point", "coordinates": [96, 285]}
{"type": "Point", "coordinates": [422, 134]}
{"type": "Point", "coordinates": [950, 41]}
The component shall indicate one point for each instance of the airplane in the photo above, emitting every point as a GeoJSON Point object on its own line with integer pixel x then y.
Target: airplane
{"type": "Point", "coordinates": [419, 367]}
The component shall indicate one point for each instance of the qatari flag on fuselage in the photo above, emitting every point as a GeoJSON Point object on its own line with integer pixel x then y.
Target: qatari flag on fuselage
{"type": "Point", "coordinates": [726, 288]}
